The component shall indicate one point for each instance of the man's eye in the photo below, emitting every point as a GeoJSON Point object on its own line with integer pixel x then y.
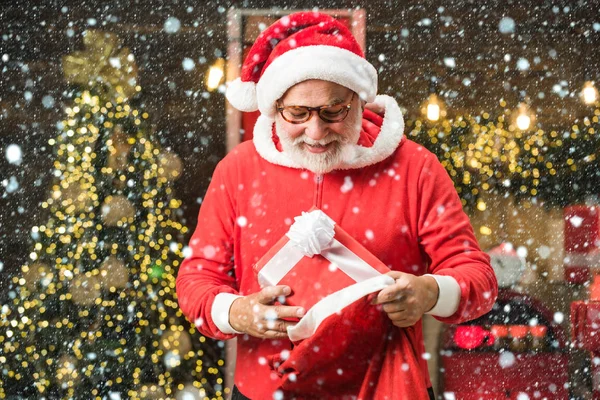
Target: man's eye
{"type": "Point", "coordinates": [297, 113]}
{"type": "Point", "coordinates": [332, 111]}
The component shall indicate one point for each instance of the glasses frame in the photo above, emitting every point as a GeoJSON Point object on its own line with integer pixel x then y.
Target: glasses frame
{"type": "Point", "coordinates": [310, 110]}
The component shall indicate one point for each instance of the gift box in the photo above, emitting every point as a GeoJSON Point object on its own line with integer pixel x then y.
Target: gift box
{"type": "Point", "coordinates": [316, 258]}
{"type": "Point", "coordinates": [585, 323]}
{"type": "Point", "coordinates": [585, 328]}
{"type": "Point", "coordinates": [343, 344]}
{"type": "Point", "coordinates": [582, 239]}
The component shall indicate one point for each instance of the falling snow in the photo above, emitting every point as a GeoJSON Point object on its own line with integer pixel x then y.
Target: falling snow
{"type": "Point", "coordinates": [14, 154]}
{"type": "Point", "coordinates": [477, 57]}
{"type": "Point", "coordinates": [172, 25]}
{"type": "Point", "coordinates": [506, 25]}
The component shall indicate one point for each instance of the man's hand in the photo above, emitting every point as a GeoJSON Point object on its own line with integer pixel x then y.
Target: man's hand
{"type": "Point", "coordinates": [255, 315]}
{"type": "Point", "coordinates": [408, 299]}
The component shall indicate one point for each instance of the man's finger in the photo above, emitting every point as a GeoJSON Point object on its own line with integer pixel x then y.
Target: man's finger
{"type": "Point", "coordinates": [275, 335]}
{"type": "Point", "coordinates": [289, 312]}
{"type": "Point", "coordinates": [279, 325]}
{"type": "Point", "coordinates": [395, 274]}
{"type": "Point", "coordinates": [390, 293]}
{"type": "Point", "coordinates": [397, 316]}
{"type": "Point", "coordinates": [393, 307]}
{"type": "Point", "coordinates": [403, 323]}
{"type": "Point", "coordinates": [269, 294]}
{"type": "Point", "coordinates": [403, 281]}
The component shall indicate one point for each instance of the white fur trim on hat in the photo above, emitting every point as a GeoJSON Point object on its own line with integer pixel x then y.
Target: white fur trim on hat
{"type": "Point", "coordinates": [242, 95]}
{"type": "Point", "coordinates": [328, 63]}
{"type": "Point", "coordinates": [390, 135]}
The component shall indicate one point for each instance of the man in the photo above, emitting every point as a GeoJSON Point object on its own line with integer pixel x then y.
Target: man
{"type": "Point", "coordinates": [315, 146]}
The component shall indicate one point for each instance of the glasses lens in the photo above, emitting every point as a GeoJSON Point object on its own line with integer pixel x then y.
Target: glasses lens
{"type": "Point", "coordinates": [295, 114]}
{"type": "Point", "coordinates": [335, 113]}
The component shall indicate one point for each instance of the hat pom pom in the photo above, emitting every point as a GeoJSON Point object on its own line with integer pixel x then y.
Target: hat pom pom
{"type": "Point", "coordinates": [242, 95]}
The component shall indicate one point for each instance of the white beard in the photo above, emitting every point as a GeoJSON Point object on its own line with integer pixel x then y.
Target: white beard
{"type": "Point", "coordinates": [340, 151]}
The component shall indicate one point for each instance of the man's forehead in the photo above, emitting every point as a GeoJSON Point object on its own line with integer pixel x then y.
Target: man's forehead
{"type": "Point", "coordinates": [318, 90]}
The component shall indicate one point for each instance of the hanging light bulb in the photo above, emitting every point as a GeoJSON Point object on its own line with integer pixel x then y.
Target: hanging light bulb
{"type": "Point", "coordinates": [215, 74]}
{"type": "Point", "coordinates": [86, 97]}
{"type": "Point", "coordinates": [524, 118]}
{"type": "Point", "coordinates": [523, 122]}
{"type": "Point", "coordinates": [434, 108]}
{"type": "Point", "coordinates": [433, 112]}
{"type": "Point", "coordinates": [589, 93]}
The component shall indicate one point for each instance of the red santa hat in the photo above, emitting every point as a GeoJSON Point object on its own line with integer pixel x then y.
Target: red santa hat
{"type": "Point", "coordinates": [298, 47]}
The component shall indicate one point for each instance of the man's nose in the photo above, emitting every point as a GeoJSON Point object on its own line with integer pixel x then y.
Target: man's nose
{"type": "Point", "coordinates": [316, 128]}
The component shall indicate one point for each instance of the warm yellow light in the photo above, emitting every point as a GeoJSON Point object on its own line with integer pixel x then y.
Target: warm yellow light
{"type": "Point", "coordinates": [433, 112]}
{"type": "Point", "coordinates": [524, 117]}
{"type": "Point", "coordinates": [589, 93]}
{"type": "Point", "coordinates": [523, 122]}
{"type": "Point", "coordinates": [433, 108]}
{"type": "Point", "coordinates": [484, 230]}
{"type": "Point", "coordinates": [216, 72]}
{"type": "Point", "coordinates": [481, 206]}
{"type": "Point", "coordinates": [87, 98]}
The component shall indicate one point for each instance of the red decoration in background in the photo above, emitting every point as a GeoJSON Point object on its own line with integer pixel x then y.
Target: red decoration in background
{"type": "Point", "coordinates": [470, 337]}
{"type": "Point", "coordinates": [481, 375]}
{"type": "Point", "coordinates": [595, 288]}
{"type": "Point", "coordinates": [518, 331]}
{"type": "Point", "coordinates": [585, 330]}
{"type": "Point", "coordinates": [499, 331]}
{"type": "Point", "coordinates": [506, 375]}
{"type": "Point", "coordinates": [582, 235]}
{"type": "Point", "coordinates": [538, 331]}
{"type": "Point", "coordinates": [585, 321]}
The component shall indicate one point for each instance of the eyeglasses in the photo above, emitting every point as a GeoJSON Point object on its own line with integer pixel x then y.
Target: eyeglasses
{"type": "Point", "coordinates": [300, 114]}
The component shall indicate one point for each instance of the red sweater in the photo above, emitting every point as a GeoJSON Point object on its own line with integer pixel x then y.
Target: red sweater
{"type": "Point", "coordinates": [401, 205]}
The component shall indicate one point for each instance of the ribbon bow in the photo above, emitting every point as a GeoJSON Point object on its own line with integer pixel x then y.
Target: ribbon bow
{"type": "Point", "coordinates": [312, 233]}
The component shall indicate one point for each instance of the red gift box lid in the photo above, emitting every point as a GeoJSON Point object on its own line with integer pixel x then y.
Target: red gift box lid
{"type": "Point", "coordinates": [341, 263]}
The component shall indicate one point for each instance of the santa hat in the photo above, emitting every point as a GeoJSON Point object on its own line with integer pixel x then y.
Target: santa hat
{"type": "Point", "coordinates": [298, 47]}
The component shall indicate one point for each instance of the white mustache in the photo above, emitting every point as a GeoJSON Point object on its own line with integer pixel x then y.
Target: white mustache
{"type": "Point", "coordinates": [323, 142]}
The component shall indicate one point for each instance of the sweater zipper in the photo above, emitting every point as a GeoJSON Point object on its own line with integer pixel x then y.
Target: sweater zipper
{"type": "Point", "coordinates": [318, 200]}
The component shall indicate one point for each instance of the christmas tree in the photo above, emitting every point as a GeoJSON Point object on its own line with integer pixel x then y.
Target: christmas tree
{"type": "Point", "coordinates": [94, 314]}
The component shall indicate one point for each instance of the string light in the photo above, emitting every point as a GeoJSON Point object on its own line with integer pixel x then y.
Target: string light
{"type": "Point", "coordinates": [485, 154]}
{"type": "Point", "coordinates": [589, 93]}
{"type": "Point", "coordinates": [524, 117]}
{"type": "Point", "coordinates": [433, 111]}
{"type": "Point", "coordinates": [215, 74]}
{"type": "Point", "coordinates": [523, 122]}
{"type": "Point", "coordinates": [434, 108]}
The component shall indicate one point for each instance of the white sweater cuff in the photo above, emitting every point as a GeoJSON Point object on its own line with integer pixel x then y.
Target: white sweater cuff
{"type": "Point", "coordinates": [220, 312]}
{"type": "Point", "coordinates": [448, 297]}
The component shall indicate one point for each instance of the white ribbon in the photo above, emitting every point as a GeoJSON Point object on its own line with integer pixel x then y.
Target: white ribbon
{"type": "Point", "coordinates": [334, 303]}
{"type": "Point", "coordinates": [304, 243]}
{"type": "Point", "coordinates": [312, 233]}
